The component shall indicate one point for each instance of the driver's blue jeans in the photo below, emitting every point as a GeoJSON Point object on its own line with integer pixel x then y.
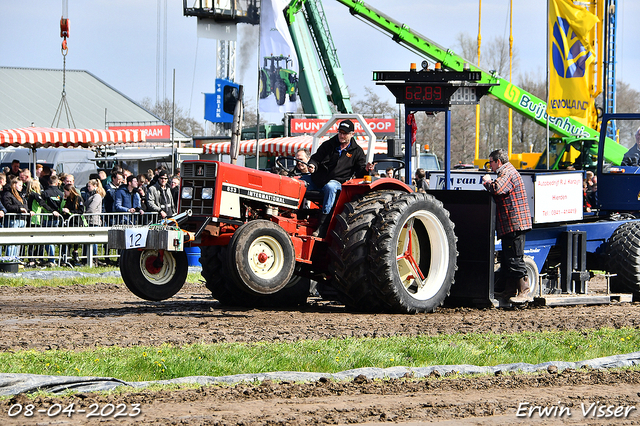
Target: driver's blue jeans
{"type": "Point", "coordinates": [329, 190]}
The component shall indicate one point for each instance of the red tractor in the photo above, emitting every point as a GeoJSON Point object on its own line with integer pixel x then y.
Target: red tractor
{"type": "Point", "coordinates": [387, 249]}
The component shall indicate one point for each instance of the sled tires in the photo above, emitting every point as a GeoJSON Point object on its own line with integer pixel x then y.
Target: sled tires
{"type": "Point", "coordinates": [150, 279]}
{"type": "Point", "coordinates": [623, 258]}
{"type": "Point", "coordinates": [349, 251]}
{"type": "Point", "coordinates": [413, 254]}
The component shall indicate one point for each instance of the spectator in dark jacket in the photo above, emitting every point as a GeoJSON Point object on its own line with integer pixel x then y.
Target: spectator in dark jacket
{"type": "Point", "coordinates": [159, 197]}
{"type": "Point", "coordinates": [127, 198]}
{"type": "Point", "coordinates": [14, 203]}
{"type": "Point", "coordinates": [117, 179]}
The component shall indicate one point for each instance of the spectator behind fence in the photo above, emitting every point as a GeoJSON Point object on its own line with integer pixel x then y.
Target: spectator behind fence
{"type": "Point", "coordinates": [175, 190]}
{"type": "Point", "coordinates": [45, 174]}
{"type": "Point", "coordinates": [160, 198]}
{"type": "Point", "coordinates": [3, 180]}
{"type": "Point", "coordinates": [15, 203]}
{"type": "Point", "coordinates": [143, 187]}
{"type": "Point", "coordinates": [421, 182]}
{"type": "Point", "coordinates": [93, 210]}
{"type": "Point", "coordinates": [39, 207]}
{"type": "Point", "coordinates": [70, 206]}
{"type": "Point", "coordinates": [116, 180]}
{"type": "Point", "coordinates": [127, 198]}
{"type": "Point", "coordinates": [14, 170]}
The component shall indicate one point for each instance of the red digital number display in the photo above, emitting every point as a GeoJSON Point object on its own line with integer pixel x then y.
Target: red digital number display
{"type": "Point", "coordinates": [423, 94]}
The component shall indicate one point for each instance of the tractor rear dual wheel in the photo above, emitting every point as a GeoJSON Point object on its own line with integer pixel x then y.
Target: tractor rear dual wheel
{"type": "Point", "coordinates": [349, 251]}
{"type": "Point", "coordinates": [413, 254]}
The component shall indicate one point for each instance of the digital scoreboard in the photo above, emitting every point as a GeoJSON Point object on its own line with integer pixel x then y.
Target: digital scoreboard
{"type": "Point", "coordinates": [438, 89]}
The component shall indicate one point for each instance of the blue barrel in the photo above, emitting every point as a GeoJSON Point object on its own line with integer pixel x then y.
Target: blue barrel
{"type": "Point", "coordinates": [193, 256]}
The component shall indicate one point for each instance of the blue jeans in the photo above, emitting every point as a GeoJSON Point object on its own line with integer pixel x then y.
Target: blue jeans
{"type": "Point", "coordinates": [14, 251]}
{"type": "Point", "coordinates": [329, 190]}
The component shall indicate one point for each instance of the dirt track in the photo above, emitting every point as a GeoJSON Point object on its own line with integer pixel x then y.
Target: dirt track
{"type": "Point", "coordinates": [102, 315]}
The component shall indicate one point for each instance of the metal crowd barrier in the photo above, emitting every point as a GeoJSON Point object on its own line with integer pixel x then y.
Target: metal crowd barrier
{"type": "Point", "coordinates": [46, 239]}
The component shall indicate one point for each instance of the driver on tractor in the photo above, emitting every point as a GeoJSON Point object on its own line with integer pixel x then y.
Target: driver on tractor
{"type": "Point", "coordinates": [335, 162]}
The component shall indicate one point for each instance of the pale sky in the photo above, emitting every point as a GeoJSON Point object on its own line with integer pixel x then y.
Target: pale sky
{"type": "Point", "coordinates": [116, 41]}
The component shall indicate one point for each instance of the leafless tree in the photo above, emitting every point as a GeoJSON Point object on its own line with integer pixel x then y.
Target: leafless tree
{"type": "Point", "coordinates": [164, 110]}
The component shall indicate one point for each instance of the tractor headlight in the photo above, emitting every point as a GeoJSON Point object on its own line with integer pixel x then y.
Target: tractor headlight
{"type": "Point", "coordinates": [207, 193]}
{"type": "Point", "coordinates": [187, 193]}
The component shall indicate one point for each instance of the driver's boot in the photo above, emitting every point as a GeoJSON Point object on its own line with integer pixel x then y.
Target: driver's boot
{"type": "Point", "coordinates": [524, 292]}
{"type": "Point", "coordinates": [509, 290]}
{"type": "Point", "coordinates": [323, 224]}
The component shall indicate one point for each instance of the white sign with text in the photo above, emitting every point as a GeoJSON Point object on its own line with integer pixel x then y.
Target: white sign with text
{"type": "Point", "coordinates": [558, 197]}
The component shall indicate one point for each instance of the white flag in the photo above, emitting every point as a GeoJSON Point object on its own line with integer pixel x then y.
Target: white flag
{"type": "Point", "coordinates": [278, 77]}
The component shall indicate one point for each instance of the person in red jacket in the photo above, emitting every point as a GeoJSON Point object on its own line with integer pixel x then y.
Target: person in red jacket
{"type": "Point", "coordinates": [513, 220]}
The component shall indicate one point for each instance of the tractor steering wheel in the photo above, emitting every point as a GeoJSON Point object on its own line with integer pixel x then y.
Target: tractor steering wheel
{"type": "Point", "coordinates": [282, 166]}
{"type": "Point", "coordinates": [396, 170]}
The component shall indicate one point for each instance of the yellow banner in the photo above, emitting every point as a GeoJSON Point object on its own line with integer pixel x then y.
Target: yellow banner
{"type": "Point", "coordinates": [570, 55]}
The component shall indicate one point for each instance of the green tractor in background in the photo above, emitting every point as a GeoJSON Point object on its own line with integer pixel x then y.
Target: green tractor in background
{"type": "Point", "coordinates": [277, 79]}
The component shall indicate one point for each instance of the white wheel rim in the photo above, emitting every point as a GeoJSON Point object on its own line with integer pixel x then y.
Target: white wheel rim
{"type": "Point", "coordinates": [158, 276]}
{"type": "Point", "coordinates": [266, 257]}
{"type": "Point", "coordinates": [408, 256]}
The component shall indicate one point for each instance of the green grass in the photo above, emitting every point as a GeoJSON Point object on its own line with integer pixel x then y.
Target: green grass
{"type": "Point", "coordinates": [328, 356]}
{"type": "Point", "coordinates": [18, 281]}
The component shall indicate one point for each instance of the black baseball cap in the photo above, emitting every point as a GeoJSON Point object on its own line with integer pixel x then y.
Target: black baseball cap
{"type": "Point", "coordinates": [345, 126]}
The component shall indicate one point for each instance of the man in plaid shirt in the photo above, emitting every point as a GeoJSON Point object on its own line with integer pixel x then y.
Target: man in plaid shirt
{"type": "Point", "coordinates": [512, 222]}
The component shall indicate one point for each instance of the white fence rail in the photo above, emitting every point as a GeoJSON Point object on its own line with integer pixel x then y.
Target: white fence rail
{"type": "Point", "coordinates": [45, 238]}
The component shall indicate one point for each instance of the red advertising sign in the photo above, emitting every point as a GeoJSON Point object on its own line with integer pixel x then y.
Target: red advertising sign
{"type": "Point", "coordinates": [379, 126]}
{"type": "Point", "coordinates": [152, 132]}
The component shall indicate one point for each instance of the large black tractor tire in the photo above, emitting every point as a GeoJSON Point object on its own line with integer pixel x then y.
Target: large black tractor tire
{"type": "Point", "coordinates": [217, 277]}
{"type": "Point", "coordinates": [350, 262]}
{"type": "Point", "coordinates": [280, 91]}
{"type": "Point", "coordinates": [623, 258]}
{"type": "Point", "coordinates": [263, 86]}
{"type": "Point", "coordinates": [413, 254]}
{"type": "Point", "coordinates": [150, 279]}
{"type": "Point", "coordinates": [293, 97]}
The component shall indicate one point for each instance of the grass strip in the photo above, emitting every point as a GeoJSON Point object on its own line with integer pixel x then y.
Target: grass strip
{"type": "Point", "coordinates": [327, 356]}
{"type": "Point", "coordinates": [21, 281]}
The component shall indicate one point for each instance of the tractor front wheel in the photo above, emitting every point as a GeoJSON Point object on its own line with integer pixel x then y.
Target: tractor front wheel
{"type": "Point", "coordinates": [413, 254]}
{"type": "Point", "coordinates": [152, 275]}
{"type": "Point", "coordinates": [218, 280]}
{"type": "Point", "coordinates": [261, 257]}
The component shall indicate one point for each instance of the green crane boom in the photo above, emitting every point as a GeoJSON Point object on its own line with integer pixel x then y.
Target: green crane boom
{"type": "Point", "coordinates": [310, 33]}
{"type": "Point", "coordinates": [509, 94]}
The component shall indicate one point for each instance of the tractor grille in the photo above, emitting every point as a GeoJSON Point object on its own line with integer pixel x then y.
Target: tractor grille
{"type": "Point", "coordinates": [197, 204]}
{"type": "Point", "coordinates": [201, 178]}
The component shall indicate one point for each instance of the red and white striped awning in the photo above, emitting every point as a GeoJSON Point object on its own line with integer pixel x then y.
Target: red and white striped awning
{"type": "Point", "coordinates": [43, 137]}
{"type": "Point", "coordinates": [282, 146]}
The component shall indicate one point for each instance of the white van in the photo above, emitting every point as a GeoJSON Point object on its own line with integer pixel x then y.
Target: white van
{"type": "Point", "coordinates": [79, 162]}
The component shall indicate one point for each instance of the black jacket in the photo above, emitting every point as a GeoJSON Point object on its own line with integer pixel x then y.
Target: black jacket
{"type": "Point", "coordinates": [330, 165]}
{"type": "Point", "coordinates": [12, 204]}
{"type": "Point", "coordinates": [53, 197]}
